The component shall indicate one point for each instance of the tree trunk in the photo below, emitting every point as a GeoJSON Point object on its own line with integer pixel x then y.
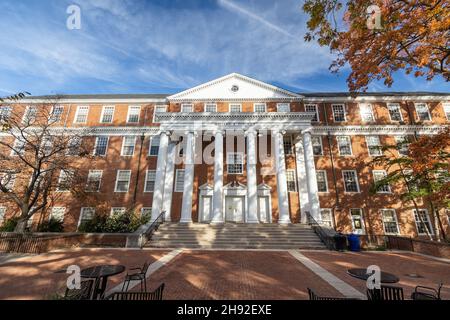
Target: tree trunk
{"type": "Point", "coordinates": [21, 225]}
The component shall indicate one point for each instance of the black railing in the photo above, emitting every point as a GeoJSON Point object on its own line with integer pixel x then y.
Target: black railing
{"type": "Point", "coordinates": [146, 236]}
{"type": "Point", "coordinates": [324, 236]}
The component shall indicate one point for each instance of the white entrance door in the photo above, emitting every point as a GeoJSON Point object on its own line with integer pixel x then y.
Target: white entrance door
{"type": "Point", "coordinates": [206, 209]}
{"type": "Point", "coordinates": [263, 209]}
{"type": "Point", "coordinates": [234, 209]}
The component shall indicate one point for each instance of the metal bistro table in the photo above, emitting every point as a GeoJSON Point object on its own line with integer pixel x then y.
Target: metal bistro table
{"type": "Point", "coordinates": [362, 274]}
{"type": "Point", "coordinates": [101, 274]}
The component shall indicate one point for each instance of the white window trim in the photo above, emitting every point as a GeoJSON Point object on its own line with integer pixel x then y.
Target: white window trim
{"type": "Point", "coordinates": [339, 149]}
{"type": "Point", "coordinates": [95, 147]}
{"type": "Point", "coordinates": [121, 208]}
{"type": "Point", "coordinates": [363, 224]}
{"type": "Point", "coordinates": [53, 109]}
{"type": "Point", "coordinates": [368, 105]}
{"type": "Point", "coordinates": [103, 113]}
{"type": "Point", "coordinates": [259, 103]}
{"type": "Point", "coordinates": [396, 221]}
{"type": "Point", "coordinates": [101, 180]}
{"type": "Point", "coordinates": [59, 181]}
{"type": "Point", "coordinates": [150, 147]}
{"type": "Point", "coordinates": [27, 109]}
{"type": "Point", "coordinates": [446, 107]}
{"type": "Point", "coordinates": [368, 146]}
{"type": "Point", "coordinates": [145, 181]}
{"type": "Point", "coordinates": [81, 214]}
{"type": "Point", "coordinates": [357, 182]}
{"type": "Point", "coordinates": [317, 110]}
{"type": "Point", "coordinates": [295, 179]}
{"type": "Point", "coordinates": [399, 110]}
{"type": "Point", "coordinates": [326, 181]}
{"type": "Point", "coordinates": [291, 140]}
{"type": "Point", "coordinates": [154, 111]}
{"type": "Point", "coordinates": [189, 105]}
{"type": "Point", "coordinates": [177, 172]}
{"type": "Point", "coordinates": [234, 104]}
{"type": "Point", "coordinates": [281, 104]}
{"type": "Point", "coordinates": [210, 104]}
{"type": "Point", "coordinates": [428, 111]}
{"type": "Point", "coordinates": [321, 146]}
{"type": "Point", "coordinates": [242, 157]}
{"type": "Point", "coordinates": [331, 215]}
{"type": "Point", "coordinates": [77, 113]}
{"type": "Point", "coordinates": [123, 147]}
{"type": "Point", "coordinates": [345, 111]}
{"type": "Point", "coordinates": [129, 110]}
{"type": "Point", "coordinates": [429, 220]}
{"type": "Point", "coordinates": [51, 213]}
{"type": "Point", "coordinates": [385, 174]}
{"type": "Point", "coordinates": [117, 181]}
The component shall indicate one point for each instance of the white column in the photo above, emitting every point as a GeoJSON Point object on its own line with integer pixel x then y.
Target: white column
{"type": "Point", "coordinates": [168, 185]}
{"type": "Point", "coordinates": [311, 176]}
{"type": "Point", "coordinates": [218, 178]}
{"type": "Point", "coordinates": [160, 175]}
{"type": "Point", "coordinates": [301, 178]}
{"type": "Point", "coordinates": [252, 187]}
{"type": "Point", "coordinates": [186, 207]}
{"type": "Point", "coordinates": [283, 202]}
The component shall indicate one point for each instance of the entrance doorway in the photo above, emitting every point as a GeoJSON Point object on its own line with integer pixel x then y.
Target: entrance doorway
{"type": "Point", "coordinates": [234, 208]}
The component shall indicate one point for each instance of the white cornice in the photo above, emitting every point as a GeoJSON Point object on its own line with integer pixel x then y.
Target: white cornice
{"type": "Point", "coordinates": [437, 98]}
{"type": "Point", "coordinates": [87, 101]}
{"type": "Point", "coordinates": [377, 130]}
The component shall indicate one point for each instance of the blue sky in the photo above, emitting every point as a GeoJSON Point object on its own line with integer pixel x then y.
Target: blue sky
{"type": "Point", "coordinates": [137, 46]}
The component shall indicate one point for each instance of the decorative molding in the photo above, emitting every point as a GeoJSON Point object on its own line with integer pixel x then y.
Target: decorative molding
{"type": "Point", "coordinates": [377, 130]}
{"type": "Point", "coordinates": [374, 99]}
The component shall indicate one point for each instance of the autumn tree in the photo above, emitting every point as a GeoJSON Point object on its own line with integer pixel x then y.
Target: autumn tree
{"type": "Point", "coordinates": [379, 37]}
{"type": "Point", "coordinates": [37, 157]}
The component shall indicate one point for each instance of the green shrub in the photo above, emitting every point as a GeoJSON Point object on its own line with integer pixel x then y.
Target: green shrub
{"type": "Point", "coordinates": [52, 225]}
{"type": "Point", "coordinates": [124, 223]}
{"type": "Point", "coordinates": [96, 225]}
{"type": "Point", "coordinates": [9, 225]}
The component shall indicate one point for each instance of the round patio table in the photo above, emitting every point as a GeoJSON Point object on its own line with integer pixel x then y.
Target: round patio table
{"type": "Point", "coordinates": [362, 274]}
{"type": "Point", "coordinates": [101, 275]}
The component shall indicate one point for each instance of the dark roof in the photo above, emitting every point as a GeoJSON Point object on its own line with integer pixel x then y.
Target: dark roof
{"type": "Point", "coordinates": [102, 96]}
{"type": "Point", "coordinates": [371, 94]}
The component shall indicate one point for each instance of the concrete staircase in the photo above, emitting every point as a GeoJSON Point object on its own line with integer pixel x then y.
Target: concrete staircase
{"type": "Point", "coordinates": [235, 236]}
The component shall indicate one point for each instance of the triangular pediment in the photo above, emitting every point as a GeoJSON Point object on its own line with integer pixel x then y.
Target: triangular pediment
{"type": "Point", "coordinates": [235, 87]}
{"type": "Point", "coordinates": [206, 186]}
{"type": "Point", "coordinates": [264, 186]}
{"type": "Point", "coordinates": [235, 185]}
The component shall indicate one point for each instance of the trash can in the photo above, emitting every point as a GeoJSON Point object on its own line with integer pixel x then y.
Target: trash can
{"type": "Point", "coordinates": [354, 243]}
{"type": "Point", "coordinates": [340, 241]}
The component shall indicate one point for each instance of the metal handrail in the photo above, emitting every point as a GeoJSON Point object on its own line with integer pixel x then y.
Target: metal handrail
{"type": "Point", "coordinates": [321, 233]}
{"type": "Point", "coordinates": [146, 236]}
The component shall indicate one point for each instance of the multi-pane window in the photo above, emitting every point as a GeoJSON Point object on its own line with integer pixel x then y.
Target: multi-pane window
{"type": "Point", "coordinates": [187, 107]}
{"type": "Point", "coordinates": [283, 107]}
{"type": "Point", "coordinates": [56, 113]}
{"type": "Point", "coordinates": [8, 180]}
{"type": "Point", "coordinates": [317, 145]}
{"type": "Point", "coordinates": [179, 180]}
{"type": "Point", "coordinates": [86, 215]}
{"type": "Point", "coordinates": [344, 145]}
{"type": "Point", "coordinates": [291, 181]}
{"type": "Point", "coordinates": [366, 112]}
{"type": "Point", "coordinates": [107, 114]}
{"type": "Point", "coordinates": [235, 108]}
{"type": "Point", "coordinates": [146, 212]}
{"type": "Point", "coordinates": [101, 146]}
{"type": "Point", "coordinates": [154, 146]}
{"type": "Point", "coordinates": [402, 145]}
{"type": "Point", "coordinates": [389, 221]}
{"type": "Point", "coordinates": [150, 178]}
{"type": "Point", "coordinates": [94, 180]}
{"type": "Point", "coordinates": [423, 114]}
{"type": "Point", "coordinates": [379, 175]}
{"type": "Point", "coordinates": [65, 180]}
{"type": "Point", "coordinates": [158, 109]}
{"type": "Point", "coordinates": [2, 215]}
{"type": "Point", "coordinates": [395, 112]}
{"type": "Point", "coordinates": [338, 112]}
{"type": "Point", "coordinates": [235, 163]}
{"type": "Point", "coordinates": [18, 147]}
{"type": "Point", "coordinates": [374, 145]}
{"type": "Point", "coordinates": [57, 213]}
{"type": "Point", "coordinates": [128, 146]}
{"type": "Point", "coordinates": [322, 184]}
{"type": "Point", "coordinates": [5, 113]}
{"type": "Point", "coordinates": [287, 144]}
{"type": "Point", "coordinates": [422, 227]}
{"type": "Point", "coordinates": [210, 107]}
{"type": "Point", "coordinates": [118, 211]}
{"type": "Point", "coordinates": [326, 217]}
{"type": "Point", "coordinates": [81, 115]}
{"type": "Point", "coordinates": [30, 115]}
{"type": "Point", "coordinates": [46, 146]}
{"type": "Point", "coordinates": [123, 180]}
{"type": "Point", "coordinates": [447, 110]}
{"type": "Point", "coordinates": [357, 220]}
{"type": "Point", "coordinates": [313, 108]}
{"type": "Point", "coordinates": [133, 114]}
{"type": "Point", "coordinates": [350, 181]}
{"type": "Point", "coordinates": [259, 107]}
{"type": "Point", "coordinates": [73, 146]}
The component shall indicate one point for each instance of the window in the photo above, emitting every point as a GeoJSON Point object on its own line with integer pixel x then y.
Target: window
{"type": "Point", "coordinates": [322, 183]}
{"type": "Point", "coordinates": [344, 145]}
{"type": "Point", "coordinates": [46, 146]}
{"type": "Point", "coordinates": [158, 109]}
{"type": "Point", "coordinates": [82, 114]}
{"type": "Point", "coordinates": [395, 112]}
{"type": "Point", "coordinates": [187, 107]}
{"type": "Point", "coordinates": [128, 145]}
{"type": "Point", "coordinates": [235, 163]}
{"type": "Point", "coordinates": [313, 108]}
{"type": "Point", "coordinates": [19, 147]}
{"type": "Point", "coordinates": [379, 175]}
{"type": "Point", "coordinates": [235, 108]}
{"type": "Point", "coordinates": [154, 146]}
{"type": "Point", "coordinates": [30, 115]}
{"type": "Point", "coordinates": [86, 215]}
{"type": "Point", "coordinates": [56, 113]}
{"type": "Point", "coordinates": [402, 145]}
{"type": "Point", "coordinates": [146, 212]}
{"type": "Point", "coordinates": [389, 221]}
{"type": "Point", "coordinates": [57, 213]}
{"type": "Point", "coordinates": [326, 216]}
{"type": "Point", "coordinates": [2, 214]}
{"type": "Point", "coordinates": [350, 181]}
{"type": "Point", "coordinates": [283, 107]}
{"type": "Point", "coordinates": [374, 145]}
{"type": "Point", "coordinates": [65, 180]}
{"type": "Point", "coordinates": [366, 112]}
{"type": "Point", "coordinates": [357, 221]}
{"type": "Point", "coordinates": [210, 107]}
{"type": "Point", "coordinates": [291, 181]}
{"type": "Point", "coordinates": [94, 180]}
{"type": "Point", "coordinates": [150, 178]}
{"type": "Point", "coordinates": [259, 107]}
{"type": "Point", "coordinates": [133, 114]}
{"type": "Point", "coordinates": [446, 111]}
{"type": "Point", "coordinates": [118, 211]}
{"type": "Point", "coordinates": [73, 146]}
{"type": "Point", "coordinates": [5, 113]}
{"type": "Point", "coordinates": [8, 179]}
{"type": "Point", "coordinates": [287, 144]}
{"type": "Point", "coordinates": [101, 146]}
{"type": "Point", "coordinates": [107, 114]}
{"type": "Point", "coordinates": [123, 180]}
{"type": "Point", "coordinates": [426, 221]}
{"type": "Point", "coordinates": [423, 114]}
{"type": "Point", "coordinates": [317, 145]}
{"type": "Point", "coordinates": [338, 112]}
{"type": "Point", "coordinates": [179, 180]}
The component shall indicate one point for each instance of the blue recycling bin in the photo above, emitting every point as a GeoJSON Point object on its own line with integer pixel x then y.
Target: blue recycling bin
{"type": "Point", "coordinates": [354, 243]}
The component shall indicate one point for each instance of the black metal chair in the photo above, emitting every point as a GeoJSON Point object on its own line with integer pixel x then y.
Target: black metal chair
{"type": "Point", "coordinates": [155, 295]}
{"type": "Point", "coordinates": [140, 276]}
{"type": "Point", "coordinates": [385, 293]}
{"type": "Point", "coordinates": [84, 293]}
{"type": "Point", "coordinates": [313, 296]}
{"type": "Point", "coordinates": [427, 293]}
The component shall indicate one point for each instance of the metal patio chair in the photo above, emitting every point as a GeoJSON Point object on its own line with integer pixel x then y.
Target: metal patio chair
{"type": "Point", "coordinates": [140, 276]}
{"type": "Point", "coordinates": [313, 296]}
{"type": "Point", "coordinates": [427, 293]}
{"type": "Point", "coordinates": [385, 293]}
{"type": "Point", "coordinates": [84, 293]}
{"type": "Point", "coordinates": [155, 295]}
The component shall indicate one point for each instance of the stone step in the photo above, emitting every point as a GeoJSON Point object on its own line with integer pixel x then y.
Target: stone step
{"type": "Point", "coordinates": [269, 247]}
{"type": "Point", "coordinates": [269, 237]}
